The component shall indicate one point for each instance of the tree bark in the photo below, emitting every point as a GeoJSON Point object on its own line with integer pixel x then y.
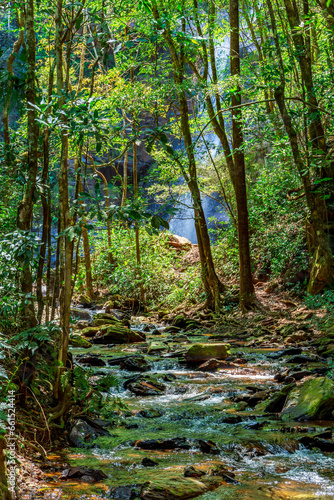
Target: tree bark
{"type": "Point", "coordinates": [25, 209]}
{"type": "Point", "coordinates": [247, 293]}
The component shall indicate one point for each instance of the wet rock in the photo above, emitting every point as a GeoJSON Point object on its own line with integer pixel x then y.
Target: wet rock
{"type": "Point", "coordinates": [254, 426]}
{"type": "Point", "coordinates": [257, 398]}
{"type": "Point", "coordinates": [147, 462]}
{"type": "Point", "coordinates": [92, 361]}
{"type": "Point", "coordinates": [81, 324]}
{"type": "Point", "coordinates": [208, 447]}
{"type": "Point", "coordinates": [191, 471]}
{"type": "Point", "coordinates": [78, 313]}
{"type": "Point", "coordinates": [135, 364]}
{"type": "Point", "coordinates": [146, 329]}
{"type": "Point", "coordinates": [199, 353]}
{"type": "Point", "coordinates": [227, 475]}
{"type": "Point", "coordinates": [241, 406]}
{"type": "Point", "coordinates": [310, 400]}
{"type": "Point", "coordinates": [156, 347]}
{"type": "Point", "coordinates": [302, 359]}
{"type": "Point", "coordinates": [230, 419]}
{"type": "Point", "coordinates": [156, 332]}
{"type": "Point", "coordinates": [127, 492]}
{"type": "Point", "coordinates": [90, 331]}
{"type": "Point", "coordinates": [214, 364]}
{"type": "Point", "coordinates": [118, 335]}
{"type": "Point", "coordinates": [298, 375]}
{"type": "Point", "coordinates": [317, 442]}
{"type": "Point", "coordinates": [175, 488]}
{"type": "Point", "coordinates": [83, 433]}
{"type": "Point", "coordinates": [150, 413]}
{"type": "Point", "coordinates": [146, 387]}
{"type": "Point", "coordinates": [85, 475]}
{"type": "Point", "coordinates": [163, 444]}
{"type": "Point", "coordinates": [285, 352]}
{"type": "Point", "coordinates": [277, 401]}
{"type": "Point", "coordinates": [79, 341]}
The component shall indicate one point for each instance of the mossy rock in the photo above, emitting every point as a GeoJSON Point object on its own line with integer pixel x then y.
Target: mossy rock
{"type": "Point", "coordinates": [177, 488]}
{"type": "Point", "coordinates": [204, 352]}
{"type": "Point", "coordinates": [277, 401]}
{"type": "Point", "coordinates": [311, 400]}
{"type": "Point", "coordinates": [104, 321]}
{"type": "Point", "coordinates": [78, 341]}
{"type": "Point", "coordinates": [90, 331]}
{"type": "Point", "coordinates": [118, 334]}
{"type": "Point", "coordinates": [107, 316]}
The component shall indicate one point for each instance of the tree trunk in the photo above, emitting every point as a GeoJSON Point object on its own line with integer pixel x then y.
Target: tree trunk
{"type": "Point", "coordinates": [25, 209]}
{"type": "Point", "coordinates": [247, 293]}
{"type": "Point", "coordinates": [322, 266]}
{"type": "Point", "coordinates": [64, 213]}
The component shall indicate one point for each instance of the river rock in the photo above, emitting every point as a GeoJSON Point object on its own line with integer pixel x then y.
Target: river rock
{"type": "Point", "coordinates": [86, 475]}
{"type": "Point", "coordinates": [151, 413]}
{"type": "Point", "coordinates": [310, 400]}
{"type": "Point", "coordinates": [118, 334]}
{"type": "Point", "coordinates": [301, 359]}
{"type": "Point", "coordinates": [79, 341]}
{"type": "Point", "coordinates": [78, 313]}
{"type": "Point", "coordinates": [82, 434]}
{"type": "Point", "coordinates": [135, 364]}
{"type": "Point", "coordinates": [176, 488]}
{"type": "Point", "coordinates": [191, 471]}
{"type": "Point", "coordinates": [210, 366]}
{"type": "Point", "coordinates": [126, 492]}
{"type": "Point", "coordinates": [92, 361]}
{"type": "Point", "coordinates": [147, 462]}
{"type": "Point", "coordinates": [145, 386]}
{"type": "Point", "coordinates": [90, 331]}
{"type": "Point", "coordinates": [198, 353]}
{"type": "Point", "coordinates": [156, 347]}
{"type": "Point", "coordinates": [317, 442]}
{"type": "Point", "coordinates": [277, 401]}
{"type": "Point", "coordinates": [208, 447]}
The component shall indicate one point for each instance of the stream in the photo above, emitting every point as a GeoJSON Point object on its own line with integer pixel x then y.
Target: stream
{"type": "Point", "coordinates": [198, 414]}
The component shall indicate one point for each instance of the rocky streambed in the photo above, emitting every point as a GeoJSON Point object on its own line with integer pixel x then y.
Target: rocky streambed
{"type": "Point", "coordinates": [193, 417]}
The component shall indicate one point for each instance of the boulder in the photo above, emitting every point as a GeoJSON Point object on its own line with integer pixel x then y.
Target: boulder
{"type": "Point", "coordinates": [150, 413]}
{"type": "Point", "coordinates": [317, 442]}
{"type": "Point", "coordinates": [78, 341]}
{"type": "Point", "coordinates": [191, 471]}
{"type": "Point", "coordinates": [90, 331]}
{"type": "Point", "coordinates": [310, 400]}
{"type": "Point", "coordinates": [84, 474]}
{"type": "Point", "coordinates": [277, 401]}
{"type": "Point", "coordinates": [78, 313]}
{"type": "Point", "coordinates": [92, 361]}
{"type": "Point", "coordinates": [145, 387]}
{"type": "Point", "coordinates": [135, 364]}
{"type": "Point", "coordinates": [83, 433]}
{"type": "Point", "coordinates": [147, 462]}
{"type": "Point", "coordinates": [156, 347]}
{"type": "Point", "coordinates": [118, 334]}
{"type": "Point", "coordinates": [203, 352]}
{"type": "Point", "coordinates": [126, 492]}
{"type": "Point", "coordinates": [176, 488]}
{"type": "Point", "coordinates": [178, 242]}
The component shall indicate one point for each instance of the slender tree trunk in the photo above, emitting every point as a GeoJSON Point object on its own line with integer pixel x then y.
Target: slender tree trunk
{"type": "Point", "coordinates": [64, 213]}
{"type": "Point", "coordinates": [247, 293]}
{"type": "Point", "coordinates": [322, 265]}
{"type": "Point", "coordinates": [25, 209]}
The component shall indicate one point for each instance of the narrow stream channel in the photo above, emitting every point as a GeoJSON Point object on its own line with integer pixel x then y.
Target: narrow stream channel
{"type": "Point", "coordinates": [262, 453]}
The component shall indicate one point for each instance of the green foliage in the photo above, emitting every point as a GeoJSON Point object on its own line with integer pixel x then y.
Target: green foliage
{"type": "Point", "coordinates": [321, 301]}
{"type": "Point", "coordinates": [163, 276]}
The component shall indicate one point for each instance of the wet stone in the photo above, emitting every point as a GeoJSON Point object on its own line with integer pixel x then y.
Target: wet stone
{"type": "Point", "coordinates": [145, 387]}
{"type": "Point", "coordinates": [135, 364]}
{"type": "Point", "coordinates": [127, 492]}
{"type": "Point", "coordinates": [92, 361]}
{"type": "Point", "coordinates": [147, 462]}
{"type": "Point", "coordinates": [150, 413]}
{"type": "Point", "coordinates": [83, 474]}
{"type": "Point", "coordinates": [191, 471]}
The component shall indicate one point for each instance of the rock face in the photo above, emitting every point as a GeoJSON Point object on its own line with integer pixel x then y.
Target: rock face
{"type": "Point", "coordinates": [310, 400]}
{"type": "Point", "coordinates": [118, 335]}
{"type": "Point", "coordinates": [203, 352]}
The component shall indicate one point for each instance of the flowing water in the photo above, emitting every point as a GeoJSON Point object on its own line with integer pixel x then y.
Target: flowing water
{"type": "Point", "coordinates": [261, 450]}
